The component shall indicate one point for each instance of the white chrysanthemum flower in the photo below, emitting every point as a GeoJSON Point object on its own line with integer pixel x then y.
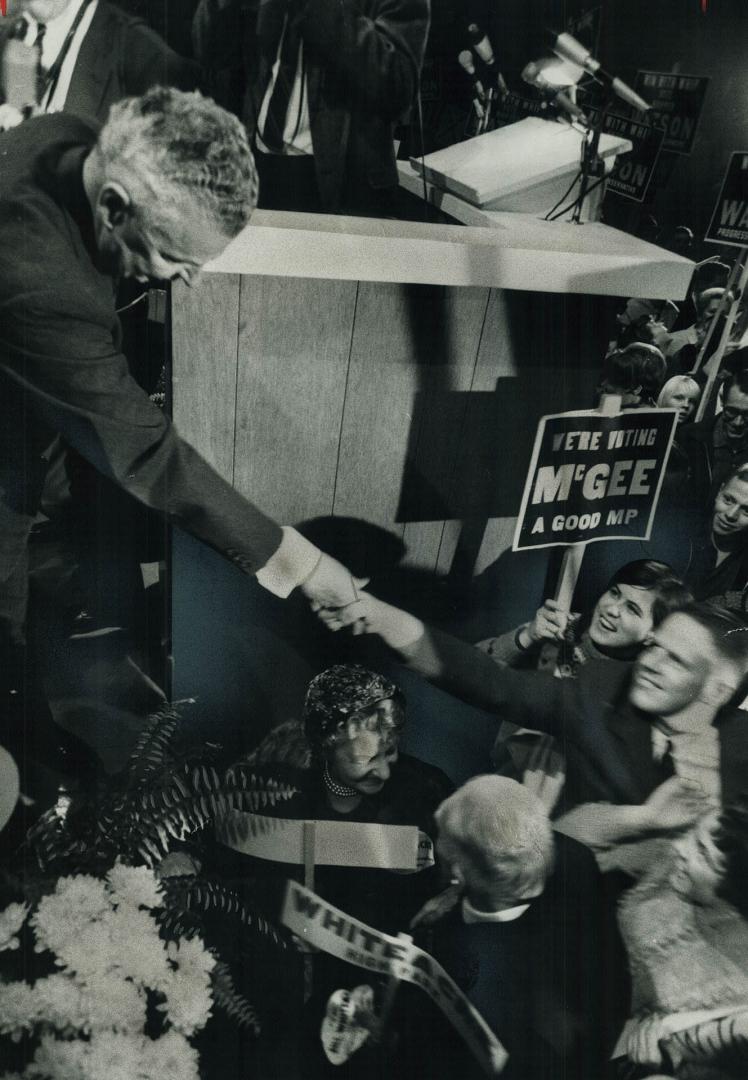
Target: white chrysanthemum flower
{"type": "Point", "coordinates": [88, 951]}
{"type": "Point", "coordinates": [61, 1003]}
{"type": "Point", "coordinates": [18, 1008]}
{"type": "Point", "coordinates": [136, 947]}
{"type": "Point", "coordinates": [135, 885]}
{"type": "Point", "coordinates": [191, 957]}
{"type": "Point", "coordinates": [170, 1058]}
{"type": "Point", "coordinates": [116, 1056]}
{"type": "Point", "coordinates": [75, 903]}
{"type": "Point", "coordinates": [63, 1059]}
{"type": "Point", "coordinates": [188, 1002]}
{"type": "Point", "coordinates": [11, 921]}
{"type": "Point", "coordinates": [114, 1004]}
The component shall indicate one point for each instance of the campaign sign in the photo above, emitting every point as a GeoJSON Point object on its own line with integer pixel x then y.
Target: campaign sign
{"type": "Point", "coordinates": [677, 101]}
{"type": "Point", "coordinates": [512, 107]}
{"type": "Point", "coordinates": [729, 224]}
{"type": "Point", "coordinates": [335, 932]}
{"type": "Point", "coordinates": [632, 171]}
{"type": "Point", "coordinates": [594, 477]}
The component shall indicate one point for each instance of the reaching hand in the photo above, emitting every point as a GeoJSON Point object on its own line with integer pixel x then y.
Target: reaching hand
{"type": "Point", "coordinates": [643, 1042]}
{"type": "Point", "coordinates": [676, 804]}
{"type": "Point", "coordinates": [371, 616]}
{"type": "Point", "coordinates": [331, 585]}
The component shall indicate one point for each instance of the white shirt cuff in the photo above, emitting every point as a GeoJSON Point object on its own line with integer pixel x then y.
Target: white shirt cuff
{"type": "Point", "coordinates": [290, 565]}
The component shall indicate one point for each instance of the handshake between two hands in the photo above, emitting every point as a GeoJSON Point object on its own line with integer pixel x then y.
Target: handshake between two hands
{"type": "Point", "coordinates": [339, 599]}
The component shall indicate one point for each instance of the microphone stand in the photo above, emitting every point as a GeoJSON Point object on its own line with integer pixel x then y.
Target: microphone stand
{"type": "Point", "coordinates": [593, 166]}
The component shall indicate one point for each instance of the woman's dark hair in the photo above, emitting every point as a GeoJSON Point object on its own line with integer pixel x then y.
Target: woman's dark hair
{"type": "Point", "coordinates": [731, 837]}
{"type": "Point", "coordinates": [639, 332]}
{"type": "Point", "coordinates": [638, 364]}
{"type": "Point", "coordinates": [670, 592]}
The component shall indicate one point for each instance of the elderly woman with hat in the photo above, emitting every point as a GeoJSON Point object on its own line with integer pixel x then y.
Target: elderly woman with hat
{"type": "Point", "coordinates": [343, 758]}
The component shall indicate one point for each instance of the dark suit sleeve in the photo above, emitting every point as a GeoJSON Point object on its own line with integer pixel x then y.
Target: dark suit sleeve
{"type": "Point", "coordinates": [533, 699]}
{"type": "Point", "coordinates": [58, 355]}
{"type": "Point", "coordinates": [219, 31]}
{"type": "Point", "coordinates": [148, 61]}
{"type": "Point", "coordinates": [380, 57]}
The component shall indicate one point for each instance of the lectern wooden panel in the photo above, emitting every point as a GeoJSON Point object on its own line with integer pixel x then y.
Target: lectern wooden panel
{"type": "Point", "coordinates": [293, 349]}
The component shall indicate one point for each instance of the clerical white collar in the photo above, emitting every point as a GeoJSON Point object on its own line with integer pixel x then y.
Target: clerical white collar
{"type": "Point", "coordinates": [473, 915]}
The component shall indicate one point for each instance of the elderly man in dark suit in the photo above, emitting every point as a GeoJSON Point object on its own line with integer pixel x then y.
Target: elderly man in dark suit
{"type": "Point", "coordinates": [165, 186]}
{"type": "Point", "coordinates": [91, 54]}
{"type": "Point", "coordinates": [650, 746]}
{"type": "Point", "coordinates": [320, 85]}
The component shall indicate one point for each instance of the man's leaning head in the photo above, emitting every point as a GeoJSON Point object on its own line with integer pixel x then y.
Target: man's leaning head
{"type": "Point", "coordinates": [496, 838]}
{"type": "Point", "coordinates": [696, 662]}
{"type": "Point", "coordinates": [171, 180]}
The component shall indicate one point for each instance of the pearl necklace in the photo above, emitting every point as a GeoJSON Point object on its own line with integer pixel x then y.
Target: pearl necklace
{"type": "Point", "coordinates": [341, 790]}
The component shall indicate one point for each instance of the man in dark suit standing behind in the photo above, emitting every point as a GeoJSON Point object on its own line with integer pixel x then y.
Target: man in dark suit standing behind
{"type": "Point", "coordinates": [320, 85]}
{"type": "Point", "coordinates": [92, 54]}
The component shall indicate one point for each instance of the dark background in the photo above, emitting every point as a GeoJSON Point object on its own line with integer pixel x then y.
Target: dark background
{"type": "Point", "coordinates": [669, 35]}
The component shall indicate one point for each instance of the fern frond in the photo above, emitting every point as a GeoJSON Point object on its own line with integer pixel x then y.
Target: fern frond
{"type": "Point", "coordinates": [154, 744]}
{"type": "Point", "coordinates": [195, 894]}
{"type": "Point", "coordinates": [191, 800]}
{"type": "Point", "coordinates": [237, 827]}
{"type": "Point", "coordinates": [231, 1001]}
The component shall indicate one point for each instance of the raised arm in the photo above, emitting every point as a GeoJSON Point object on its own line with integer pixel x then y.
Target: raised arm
{"type": "Point", "coordinates": [533, 699]}
{"type": "Point", "coordinates": [59, 362]}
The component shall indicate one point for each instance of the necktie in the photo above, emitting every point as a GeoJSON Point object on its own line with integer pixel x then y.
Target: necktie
{"type": "Point", "coordinates": [275, 121]}
{"type": "Point", "coordinates": [41, 71]}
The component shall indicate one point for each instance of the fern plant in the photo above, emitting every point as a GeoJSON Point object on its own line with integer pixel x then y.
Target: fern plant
{"type": "Point", "coordinates": [167, 794]}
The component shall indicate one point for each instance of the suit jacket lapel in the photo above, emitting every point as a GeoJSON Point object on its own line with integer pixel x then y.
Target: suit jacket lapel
{"type": "Point", "coordinates": [95, 67]}
{"type": "Point", "coordinates": [632, 733]}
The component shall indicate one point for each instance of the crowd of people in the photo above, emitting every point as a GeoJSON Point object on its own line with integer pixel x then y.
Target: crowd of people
{"type": "Point", "coordinates": [589, 888]}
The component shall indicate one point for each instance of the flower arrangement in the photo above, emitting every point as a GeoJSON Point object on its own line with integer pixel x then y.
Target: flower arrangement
{"type": "Point", "coordinates": [124, 979]}
{"type": "Point", "coordinates": [92, 1015]}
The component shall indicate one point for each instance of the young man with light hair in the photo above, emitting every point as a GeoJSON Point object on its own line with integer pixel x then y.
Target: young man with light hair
{"type": "Point", "coordinates": [650, 746]}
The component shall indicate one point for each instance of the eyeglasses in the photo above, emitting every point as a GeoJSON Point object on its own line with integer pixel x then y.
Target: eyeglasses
{"type": "Point", "coordinates": [385, 719]}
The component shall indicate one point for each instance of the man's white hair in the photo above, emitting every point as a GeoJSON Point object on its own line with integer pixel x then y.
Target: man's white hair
{"type": "Point", "coordinates": [501, 833]}
{"type": "Point", "coordinates": [168, 146]}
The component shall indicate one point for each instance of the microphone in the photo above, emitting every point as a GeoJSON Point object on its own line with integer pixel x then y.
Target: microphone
{"type": "Point", "coordinates": [532, 74]}
{"type": "Point", "coordinates": [483, 48]}
{"type": "Point", "coordinates": [465, 60]}
{"type": "Point", "coordinates": [19, 74]}
{"type": "Point", "coordinates": [568, 48]}
{"type": "Point", "coordinates": [482, 45]}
